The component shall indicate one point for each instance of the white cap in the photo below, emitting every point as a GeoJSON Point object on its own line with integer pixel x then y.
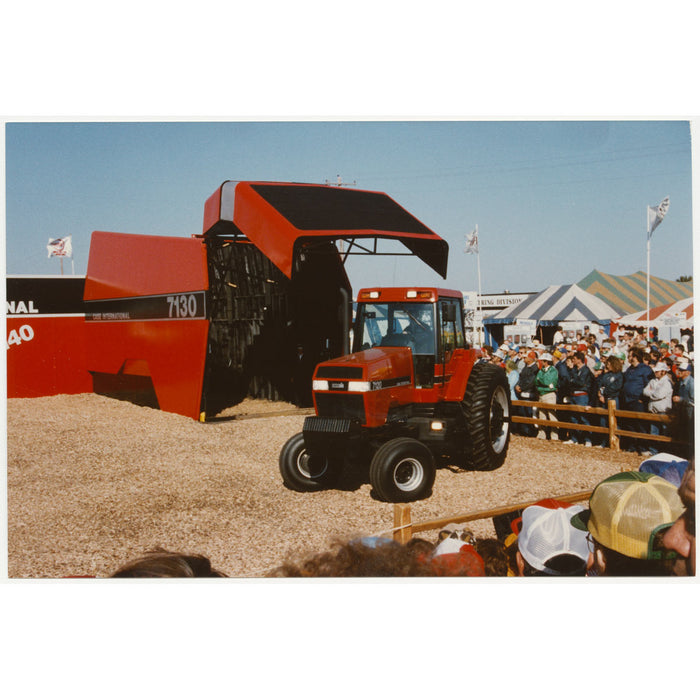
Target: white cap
{"type": "Point", "coordinates": [660, 367]}
{"type": "Point", "coordinates": [546, 356]}
{"type": "Point", "coordinates": [547, 533]}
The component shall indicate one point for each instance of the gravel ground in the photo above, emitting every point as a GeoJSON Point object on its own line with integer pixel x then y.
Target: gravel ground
{"type": "Point", "coordinates": [94, 482]}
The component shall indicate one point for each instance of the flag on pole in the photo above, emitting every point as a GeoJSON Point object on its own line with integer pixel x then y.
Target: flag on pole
{"type": "Point", "coordinates": [472, 242]}
{"type": "Point", "coordinates": [60, 247]}
{"type": "Point", "coordinates": [655, 215]}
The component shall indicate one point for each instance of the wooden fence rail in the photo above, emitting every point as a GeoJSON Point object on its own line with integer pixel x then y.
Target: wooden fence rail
{"type": "Point", "coordinates": [404, 529]}
{"type": "Point", "coordinates": [612, 413]}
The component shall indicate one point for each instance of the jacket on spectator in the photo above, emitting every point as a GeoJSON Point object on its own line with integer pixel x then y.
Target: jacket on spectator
{"type": "Point", "coordinates": [563, 386]}
{"type": "Point", "coordinates": [635, 379]}
{"type": "Point", "coordinates": [686, 392]}
{"type": "Point", "coordinates": [527, 382]}
{"type": "Point", "coordinates": [659, 392]}
{"type": "Point", "coordinates": [610, 386]}
{"type": "Point", "coordinates": [513, 377]}
{"type": "Point", "coordinates": [547, 380]}
{"type": "Point", "coordinates": [580, 380]}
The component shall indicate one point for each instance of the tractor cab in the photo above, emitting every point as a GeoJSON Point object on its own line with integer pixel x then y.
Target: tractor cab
{"type": "Point", "coordinates": [427, 321]}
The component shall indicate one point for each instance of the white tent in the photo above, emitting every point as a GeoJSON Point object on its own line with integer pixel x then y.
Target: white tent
{"type": "Point", "coordinates": [679, 313]}
{"type": "Point", "coordinates": [557, 303]}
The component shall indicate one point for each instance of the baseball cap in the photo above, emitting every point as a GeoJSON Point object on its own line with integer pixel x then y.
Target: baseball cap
{"type": "Point", "coordinates": [627, 510]}
{"type": "Point", "coordinates": [660, 367]}
{"type": "Point", "coordinates": [683, 366]}
{"type": "Point", "coordinates": [546, 356]}
{"type": "Point", "coordinates": [548, 533]}
{"type": "Point", "coordinates": [667, 466]}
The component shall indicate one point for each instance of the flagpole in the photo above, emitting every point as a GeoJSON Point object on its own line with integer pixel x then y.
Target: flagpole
{"type": "Point", "coordinates": [478, 301]}
{"type": "Point", "coordinates": [648, 275]}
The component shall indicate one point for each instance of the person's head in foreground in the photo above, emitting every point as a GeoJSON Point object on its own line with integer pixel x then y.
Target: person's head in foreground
{"type": "Point", "coordinates": [548, 544]}
{"type": "Point", "coordinates": [680, 537]}
{"type": "Point", "coordinates": [164, 564]}
{"type": "Point", "coordinates": [627, 517]}
{"type": "Point", "coordinates": [382, 557]}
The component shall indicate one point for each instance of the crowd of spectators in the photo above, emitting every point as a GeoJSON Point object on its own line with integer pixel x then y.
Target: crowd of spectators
{"type": "Point", "coordinates": [637, 373]}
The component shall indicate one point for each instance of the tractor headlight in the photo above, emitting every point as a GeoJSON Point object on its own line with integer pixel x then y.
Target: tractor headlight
{"type": "Point", "coordinates": [320, 385]}
{"type": "Point", "coordinates": [437, 425]}
{"type": "Point", "coordinates": [358, 386]}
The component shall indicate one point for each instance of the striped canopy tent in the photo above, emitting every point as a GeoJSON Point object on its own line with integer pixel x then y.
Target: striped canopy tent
{"type": "Point", "coordinates": [668, 312]}
{"type": "Point", "coordinates": [628, 293]}
{"type": "Point", "coordinates": [554, 305]}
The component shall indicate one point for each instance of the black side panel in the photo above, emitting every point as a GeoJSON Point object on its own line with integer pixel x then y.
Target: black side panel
{"type": "Point", "coordinates": [49, 295]}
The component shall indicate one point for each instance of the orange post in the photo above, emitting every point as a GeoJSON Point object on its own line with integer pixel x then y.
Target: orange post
{"type": "Point", "coordinates": [612, 427]}
{"type": "Point", "coordinates": [402, 523]}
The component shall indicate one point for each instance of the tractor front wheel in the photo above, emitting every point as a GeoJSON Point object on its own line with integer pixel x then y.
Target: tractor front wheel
{"type": "Point", "coordinates": [486, 408]}
{"type": "Point", "coordinates": [302, 471]}
{"type": "Point", "coordinates": [402, 470]}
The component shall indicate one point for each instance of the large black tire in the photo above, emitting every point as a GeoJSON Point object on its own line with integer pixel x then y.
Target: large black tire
{"type": "Point", "coordinates": [302, 471]}
{"type": "Point", "coordinates": [487, 411]}
{"type": "Point", "coordinates": [402, 470]}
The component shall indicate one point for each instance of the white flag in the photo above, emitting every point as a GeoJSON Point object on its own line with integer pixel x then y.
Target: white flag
{"type": "Point", "coordinates": [472, 242]}
{"type": "Point", "coordinates": [60, 247]}
{"type": "Point", "coordinates": [655, 215]}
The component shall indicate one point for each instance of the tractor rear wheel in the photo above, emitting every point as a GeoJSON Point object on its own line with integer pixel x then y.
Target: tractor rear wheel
{"type": "Point", "coordinates": [302, 471]}
{"type": "Point", "coordinates": [487, 408]}
{"type": "Point", "coordinates": [402, 470]}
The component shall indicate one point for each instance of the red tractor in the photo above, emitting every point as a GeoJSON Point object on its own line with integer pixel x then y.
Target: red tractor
{"type": "Point", "coordinates": [410, 392]}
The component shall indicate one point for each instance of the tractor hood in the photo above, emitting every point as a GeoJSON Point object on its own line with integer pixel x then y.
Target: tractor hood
{"type": "Point", "coordinates": [280, 219]}
{"type": "Point", "coordinates": [381, 367]}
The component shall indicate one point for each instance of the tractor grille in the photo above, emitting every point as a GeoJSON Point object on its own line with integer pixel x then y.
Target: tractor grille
{"type": "Point", "coordinates": [315, 424]}
{"type": "Point", "coordinates": [341, 406]}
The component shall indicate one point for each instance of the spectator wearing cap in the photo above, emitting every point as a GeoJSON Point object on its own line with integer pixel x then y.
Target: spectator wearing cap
{"type": "Point", "coordinates": [659, 392]}
{"type": "Point", "coordinates": [525, 390]}
{"type": "Point", "coordinates": [627, 518]}
{"type": "Point", "coordinates": [635, 377]}
{"type": "Point", "coordinates": [498, 358]}
{"type": "Point", "coordinates": [680, 537]}
{"type": "Point", "coordinates": [520, 360]}
{"type": "Point", "coordinates": [684, 403]}
{"type": "Point", "coordinates": [546, 383]}
{"type": "Point", "coordinates": [580, 386]}
{"type": "Point", "coordinates": [549, 545]}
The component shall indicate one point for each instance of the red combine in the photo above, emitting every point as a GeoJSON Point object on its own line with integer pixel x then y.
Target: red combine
{"type": "Point", "coordinates": [193, 325]}
{"type": "Point", "coordinates": [411, 393]}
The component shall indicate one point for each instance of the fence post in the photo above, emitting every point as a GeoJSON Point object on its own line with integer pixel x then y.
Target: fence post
{"type": "Point", "coordinates": [402, 523]}
{"type": "Point", "coordinates": [612, 426]}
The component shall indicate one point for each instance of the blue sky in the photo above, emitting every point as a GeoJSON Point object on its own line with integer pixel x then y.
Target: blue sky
{"type": "Point", "coordinates": [553, 199]}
